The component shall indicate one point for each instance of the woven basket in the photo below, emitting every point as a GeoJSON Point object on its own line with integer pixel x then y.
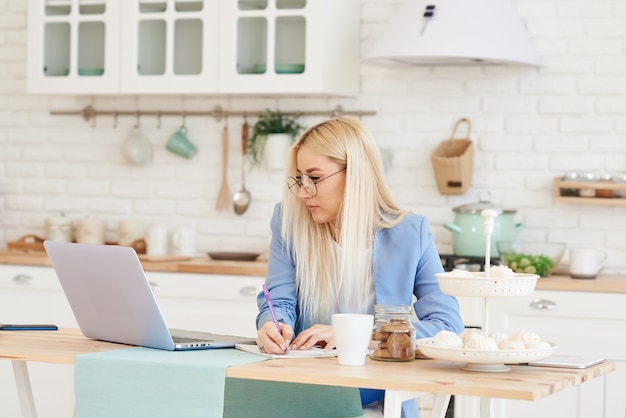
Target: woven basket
{"type": "Point", "coordinates": [453, 162]}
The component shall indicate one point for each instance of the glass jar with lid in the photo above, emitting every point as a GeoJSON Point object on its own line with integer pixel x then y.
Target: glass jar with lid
{"type": "Point", "coordinates": [393, 334]}
{"type": "Point", "coordinates": [620, 180]}
{"type": "Point", "coordinates": [570, 176]}
{"type": "Point", "coordinates": [590, 191]}
{"type": "Point", "coordinates": [604, 179]}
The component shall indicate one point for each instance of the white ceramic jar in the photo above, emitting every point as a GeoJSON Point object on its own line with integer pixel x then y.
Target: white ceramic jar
{"type": "Point", "coordinates": [90, 231]}
{"type": "Point", "coordinates": [59, 228]}
{"type": "Point", "coordinates": [131, 230]}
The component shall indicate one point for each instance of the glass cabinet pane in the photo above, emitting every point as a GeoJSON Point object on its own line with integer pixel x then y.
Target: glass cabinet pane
{"type": "Point", "coordinates": [188, 46]}
{"type": "Point", "coordinates": [290, 4]}
{"type": "Point", "coordinates": [91, 46]}
{"type": "Point", "coordinates": [188, 5]}
{"type": "Point", "coordinates": [56, 8]}
{"type": "Point", "coordinates": [152, 6]}
{"type": "Point", "coordinates": [151, 47]}
{"type": "Point", "coordinates": [91, 7]}
{"type": "Point", "coordinates": [251, 45]}
{"type": "Point", "coordinates": [290, 45]}
{"type": "Point", "coordinates": [252, 4]}
{"type": "Point", "coordinates": [56, 49]}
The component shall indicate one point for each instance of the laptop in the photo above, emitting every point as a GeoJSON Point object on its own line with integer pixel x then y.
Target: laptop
{"type": "Point", "coordinates": [111, 299]}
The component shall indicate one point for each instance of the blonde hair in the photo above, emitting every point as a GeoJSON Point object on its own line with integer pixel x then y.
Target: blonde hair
{"type": "Point", "coordinates": [367, 206]}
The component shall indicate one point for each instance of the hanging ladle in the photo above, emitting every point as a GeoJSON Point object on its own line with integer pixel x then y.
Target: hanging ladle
{"type": "Point", "coordinates": [241, 199]}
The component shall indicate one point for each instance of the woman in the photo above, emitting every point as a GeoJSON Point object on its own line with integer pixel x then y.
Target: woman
{"type": "Point", "coordinates": [341, 244]}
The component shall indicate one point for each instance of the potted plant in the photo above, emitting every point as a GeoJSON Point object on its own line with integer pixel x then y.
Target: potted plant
{"type": "Point", "coordinates": [272, 135]}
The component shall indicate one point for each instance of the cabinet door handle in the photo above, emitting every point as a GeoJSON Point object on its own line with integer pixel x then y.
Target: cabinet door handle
{"type": "Point", "coordinates": [22, 279]}
{"type": "Point", "coordinates": [154, 286]}
{"type": "Point", "coordinates": [248, 291]}
{"type": "Point", "coordinates": [546, 304]}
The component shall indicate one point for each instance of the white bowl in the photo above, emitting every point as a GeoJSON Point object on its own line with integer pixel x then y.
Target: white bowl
{"type": "Point", "coordinates": [483, 360]}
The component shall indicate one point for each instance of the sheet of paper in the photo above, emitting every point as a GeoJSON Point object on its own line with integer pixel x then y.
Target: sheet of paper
{"type": "Point", "coordinates": [310, 353]}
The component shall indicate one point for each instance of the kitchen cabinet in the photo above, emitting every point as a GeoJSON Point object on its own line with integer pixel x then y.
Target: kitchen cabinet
{"type": "Point", "coordinates": [285, 46]}
{"type": "Point", "coordinates": [31, 294]}
{"type": "Point", "coordinates": [194, 47]}
{"type": "Point", "coordinates": [205, 302]}
{"type": "Point", "coordinates": [580, 323]}
{"type": "Point", "coordinates": [223, 304]}
{"type": "Point", "coordinates": [73, 47]}
{"type": "Point", "coordinates": [169, 46]}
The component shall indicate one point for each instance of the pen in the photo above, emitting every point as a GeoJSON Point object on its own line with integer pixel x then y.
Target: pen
{"type": "Point", "coordinates": [271, 305]}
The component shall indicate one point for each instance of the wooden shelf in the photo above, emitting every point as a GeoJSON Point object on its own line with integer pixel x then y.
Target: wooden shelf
{"type": "Point", "coordinates": [560, 185]}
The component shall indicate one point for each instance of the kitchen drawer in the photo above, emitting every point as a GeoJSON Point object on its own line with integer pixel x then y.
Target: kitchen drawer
{"type": "Point", "coordinates": [30, 294]}
{"type": "Point", "coordinates": [223, 304]}
{"type": "Point", "coordinates": [205, 286]}
{"type": "Point", "coordinates": [29, 277]}
{"type": "Point", "coordinates": [578, 322]}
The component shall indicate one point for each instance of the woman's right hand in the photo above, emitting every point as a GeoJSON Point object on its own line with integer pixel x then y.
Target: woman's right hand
{"type": "Point", "coordinates": [270, 341]}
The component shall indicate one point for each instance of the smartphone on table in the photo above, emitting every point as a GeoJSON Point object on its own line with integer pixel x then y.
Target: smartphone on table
{"type": "Point", "coordinates": [28, 327]}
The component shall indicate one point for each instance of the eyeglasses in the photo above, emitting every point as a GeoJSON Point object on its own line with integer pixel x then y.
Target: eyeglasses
{"type": "Point", "coordinates": [309, 183]}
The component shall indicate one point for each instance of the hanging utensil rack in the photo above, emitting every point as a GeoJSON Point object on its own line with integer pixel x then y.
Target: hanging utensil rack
{"type": "Point", "coordinates": [89, 113]}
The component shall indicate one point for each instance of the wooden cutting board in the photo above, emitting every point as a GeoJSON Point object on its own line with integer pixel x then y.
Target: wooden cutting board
{"type": "Point", "coordinates": [27, 243]}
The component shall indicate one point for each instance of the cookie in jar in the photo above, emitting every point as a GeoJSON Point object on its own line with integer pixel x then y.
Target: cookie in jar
{"type": "Point", "coordinates": [393, 334]}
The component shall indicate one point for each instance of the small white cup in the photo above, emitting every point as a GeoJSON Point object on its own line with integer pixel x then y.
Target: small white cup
{"type": "Point", "coordinates": [157, 240]}
{"type": "Point", "coordinates": [586, 263]}
{"type": "Point", "coordinates": [184, 242]}
{"type": "Point", "coordinates": [352, 334]}
{"type": "Point", "coordinates": [90, 231]}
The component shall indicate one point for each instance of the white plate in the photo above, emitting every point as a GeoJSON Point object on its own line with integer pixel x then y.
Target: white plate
{"type": "Point", "coordinates": [452, 283]}
{"type": "Point", "coordinates": [483, 360]}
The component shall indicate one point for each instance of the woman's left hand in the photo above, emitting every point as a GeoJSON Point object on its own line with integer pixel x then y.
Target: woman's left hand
{"type": "Point", "coordinates": [320, 335]}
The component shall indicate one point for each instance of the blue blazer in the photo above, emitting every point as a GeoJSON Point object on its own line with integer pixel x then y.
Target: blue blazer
{"type": "Point", "coordinates": [405, 262]}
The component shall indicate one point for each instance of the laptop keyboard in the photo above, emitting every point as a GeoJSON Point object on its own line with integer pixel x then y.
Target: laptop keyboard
{"type": "Point", "coordinates": [183, 340]}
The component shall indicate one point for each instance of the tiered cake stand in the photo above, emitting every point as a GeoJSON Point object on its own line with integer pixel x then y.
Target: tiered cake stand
{"type": "Point", "coordinates": [456, 283]}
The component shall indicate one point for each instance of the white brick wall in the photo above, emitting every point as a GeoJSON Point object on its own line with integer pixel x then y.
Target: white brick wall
{"type": "Point", "coordinates": [529, 125]}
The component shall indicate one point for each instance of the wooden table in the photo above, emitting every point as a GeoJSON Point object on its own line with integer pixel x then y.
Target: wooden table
{"type": "Point", "coordinates": [402, 381]}
{"type": "Point", "coordinates": [412, 379]}
{"type": "Point", "coordinates": [58, 347]}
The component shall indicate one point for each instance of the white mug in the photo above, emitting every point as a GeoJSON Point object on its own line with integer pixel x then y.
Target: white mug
{"type": "Point", "coordinates": [157, 240]}
{"type": "Point", "coordinates": [184, 242]}
{"type": "Point", "coordinates": [352, 334]}
{"type": "Point", "coordinates": [585, 263]}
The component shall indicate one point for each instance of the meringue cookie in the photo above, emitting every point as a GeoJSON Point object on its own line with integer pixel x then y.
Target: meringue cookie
{"type": "Point", "coordinates": [447, 339]}
{"type": "Point", "coordinates": [511, 344]}
{"type": "Point", "coordinates": [480, 342]}
{"type": "Point", "coordinates": [530, 345]}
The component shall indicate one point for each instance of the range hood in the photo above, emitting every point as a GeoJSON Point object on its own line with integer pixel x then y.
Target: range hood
{"type": "Point", "coordinates": [452, 32]}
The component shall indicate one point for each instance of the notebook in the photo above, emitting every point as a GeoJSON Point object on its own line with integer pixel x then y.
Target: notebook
{"type": "Point", "coordinates": [111, 299]}
{"type": "Point", "coordinates": [567, 361]}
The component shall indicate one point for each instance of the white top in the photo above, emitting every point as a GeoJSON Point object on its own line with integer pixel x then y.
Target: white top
{"type": "Point", "coordinates": [346, 302]}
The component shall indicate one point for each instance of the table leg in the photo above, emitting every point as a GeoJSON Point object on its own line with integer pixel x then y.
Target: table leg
{"type": "Point", "coordinates": [486, 408]}
{"type": "Point", "coordinates": [440, 406]}
{"type": "Point", "coordinates": [394, 399]}
{"type": "Point", "coordinates": [24, 391]}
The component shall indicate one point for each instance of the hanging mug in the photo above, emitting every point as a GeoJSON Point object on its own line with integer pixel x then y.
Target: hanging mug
{"type": "Point", "coordinates": [180, 144]}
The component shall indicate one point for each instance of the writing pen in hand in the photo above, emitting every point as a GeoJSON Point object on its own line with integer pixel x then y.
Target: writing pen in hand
{"type": "Point", "coordinates": [271, 306]}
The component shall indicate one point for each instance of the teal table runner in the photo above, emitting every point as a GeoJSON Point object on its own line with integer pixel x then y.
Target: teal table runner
{"type": "Point", "coordinates": [144, 382]}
